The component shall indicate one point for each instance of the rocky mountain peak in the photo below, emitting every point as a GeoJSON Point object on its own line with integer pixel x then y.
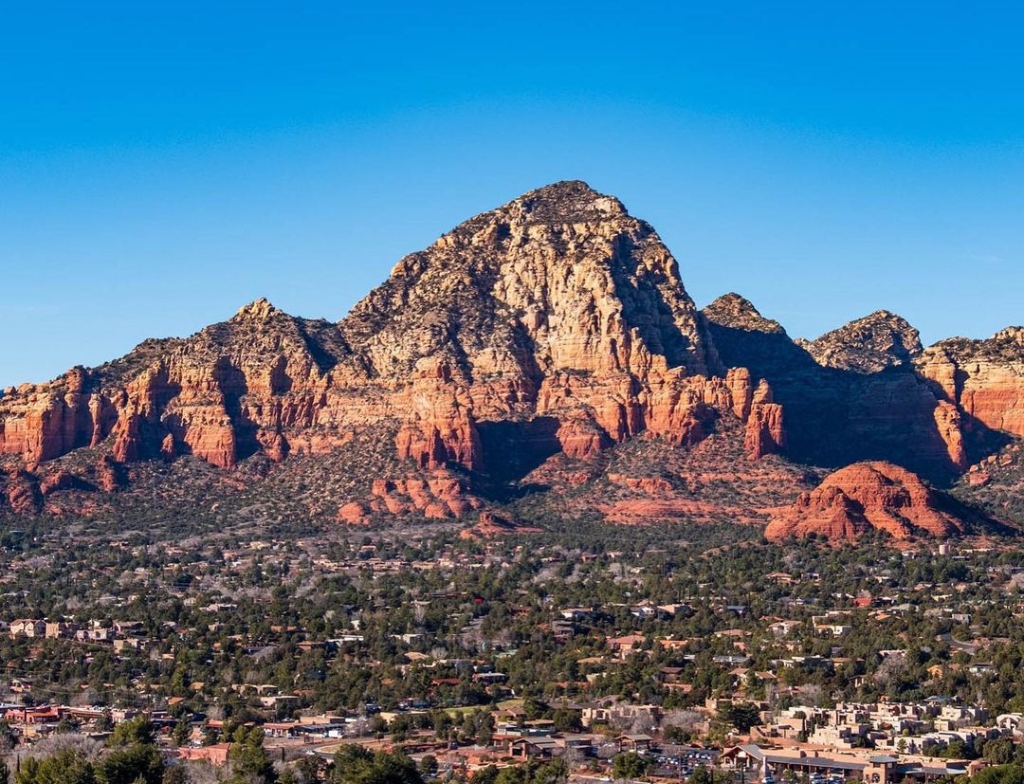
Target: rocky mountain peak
{"type": "Point", "coordinates": [257, 310]}
{"type": "Point", "coordinates": [568, 201]}
{"type": "Point", "coordinates": [561, 278]}
{"type": "Point", "coordinates": [1010, 335]}
{"type": "Point", "coordinates": [867, 345]}
{"type": "Point", "coordinates": [732, 310]}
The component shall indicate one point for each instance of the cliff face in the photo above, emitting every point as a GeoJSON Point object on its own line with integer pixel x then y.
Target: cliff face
{"type": "Point", "coordinates": [853, 394]}
{"type": "Point", "coordinates": [982, 378]}
{"type": "Point", "coordinates": [557, 323]}
{"type": "Point", "coordinates": [558, 305]}
{"type": "Point", "coordinates": [255, 384]}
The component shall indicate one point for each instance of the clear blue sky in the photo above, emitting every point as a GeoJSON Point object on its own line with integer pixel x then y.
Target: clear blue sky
{"type": "Point", "coordinates": [162, 164]}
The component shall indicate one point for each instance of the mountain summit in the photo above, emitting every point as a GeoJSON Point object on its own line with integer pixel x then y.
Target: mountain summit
{"type": "Point", "coordinates": [560, 279]}
{"type": "Point", "coordinates": [868, 345]}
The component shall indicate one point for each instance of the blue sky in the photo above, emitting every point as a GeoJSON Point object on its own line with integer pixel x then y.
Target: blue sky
{"type": "Point", "coordinates": [163, 164]}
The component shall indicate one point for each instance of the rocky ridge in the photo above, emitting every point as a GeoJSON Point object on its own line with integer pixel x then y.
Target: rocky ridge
{"type": "Point", "coordinates": [530, 340]}
{"type": "Point", "coordinates": [556, 324]}
{"type": "Point", "coordinates": [983, 379]}
{"type": "Point", "coordinates": [841, 412]}
{"type": "Point", "coordinates": [867, 345]}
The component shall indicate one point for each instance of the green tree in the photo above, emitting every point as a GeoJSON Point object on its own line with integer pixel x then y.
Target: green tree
{"type": "Point", "coordinates": [139, 762]}
{"type": "Point", "coordinates": [137, 730]}
{"type": "Point", "coordinates": [999, 751]}
{"type": "Point", "coordinates": [1001, 774]}
{"type": "Point", "coordinates": [567, 720]}
{"type": "Point", "coordinates": [356, 765]}
{"type": "Point", "coordinates": [248, 759]}
{"type": "Point", "coordinates": [181, 733]}
{"type": "Point", "coordinates": [488, 775]}
{"type": "Point", "coordinates": [68, 766]}
{"type": "Point", "coordinates": [66, 725]}
{"type": "Point", "coordinates": [629, 766]}
{"type": "Point", "coordinates": [743, 716]}
{"type": "Point", "coordinates": [428, 765]}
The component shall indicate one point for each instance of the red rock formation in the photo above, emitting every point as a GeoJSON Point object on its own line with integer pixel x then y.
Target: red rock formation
{"type": "Point", "coordinates": [870, 496]}
{"type": "Point", "coordinates": [983, 378]}
{"type": "Point", "coordinates": [59, 480]}
{"type": "Point", "coordinates": [557, 316]}
{"type": "Point", "coordinates": [864, 390]}
{"type": "Point", "coordinates": [558, 305]}
{"type": "Point", "coordinates": [442, 429]}
{"type": "Point", "coordinates": [440, 495]}
{"type": "Point", "coordinates": [764, 432]}
{"type": "Point", "coordinates": [352, 513]}
{"type": "Point", "coordinates": [648, 485]}
{"type": "Point", "coordinates": [109, 475]}
{"type": "Point", "coordinates": [46, 421]}
{"type": "Point", "coordinates": [22, 492]}
{"type": "Point", "coordinates": [491, 525]}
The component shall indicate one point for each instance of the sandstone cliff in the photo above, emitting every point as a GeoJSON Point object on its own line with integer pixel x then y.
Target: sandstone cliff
{"type": "Point", "coordinates": [984, 379]}
{"type": "Point", "coordinates": [851, 395]}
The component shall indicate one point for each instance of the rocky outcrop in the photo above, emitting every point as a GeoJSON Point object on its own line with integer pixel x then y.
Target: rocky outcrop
{"type": "Point", "coordinates": [46, 421]}
{"type": "Point", "coordinates": [230, 391]}
{"type": "Point", "coordinates": [736, 312]}
{"type": "Point", "coordinates": [21, 491]}
{"type": "Point", "coordinates": [984, 379]}
{"type": "Point", "coordinates": [441, 495]}
{"type": "Point", "coordinates": [867, 345]}
{"type": "Point", "coordinates": [648, 485]}
{"type": "Point", "coordinates": [560, 279]}
{"type": "Point", "coordinates": [491, 525]}
{"type": "Point", "coordinates": [876, 496]}
{"type": "Point", "coordinates": [764, 432]}
{"type": "Point", "coordinates": [442, 429]}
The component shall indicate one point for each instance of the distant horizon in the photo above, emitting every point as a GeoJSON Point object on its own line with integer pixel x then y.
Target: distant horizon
{"type": "Point", "coordinates": [163, 166]}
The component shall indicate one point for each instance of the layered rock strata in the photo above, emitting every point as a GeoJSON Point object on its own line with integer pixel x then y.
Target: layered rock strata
{"type": "Point", "coordinates": [875, 496]}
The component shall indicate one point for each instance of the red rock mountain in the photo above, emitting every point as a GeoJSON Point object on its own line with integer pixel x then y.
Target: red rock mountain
{"type": "Point", "coordinates": [875, 496]}
{"type": "Point", "coordinates": [544, 332]}
{"type": "Point", "coordinates": [866, 391]}
{"type": "Point", "coordinates": [557, 323]}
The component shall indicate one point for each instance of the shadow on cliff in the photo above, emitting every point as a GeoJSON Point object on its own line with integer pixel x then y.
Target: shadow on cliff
{"type": "Point", "coordinates": [511, 450]}
{"type": "Point", "coordinates": [645, 308]}
{"type": "Point", "coordinates": [233, 386]}
{"type": "Point", "coordinates": [835, 417]}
